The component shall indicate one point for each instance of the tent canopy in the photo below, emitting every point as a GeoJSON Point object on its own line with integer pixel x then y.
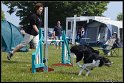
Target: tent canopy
{"type": "Point", "coordinates": [97, 18]}
{"type": "Point", "coordinates": [107, 21]}
{"type": "Point", "coordinates": [11, 36]}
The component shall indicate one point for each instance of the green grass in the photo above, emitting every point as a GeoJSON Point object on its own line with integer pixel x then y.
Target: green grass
{"type": "Point", "coordinates": [18, 69]}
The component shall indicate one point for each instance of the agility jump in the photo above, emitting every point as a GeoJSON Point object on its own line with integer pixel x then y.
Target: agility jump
{"type": "Point", "coordinates": [40, 56]}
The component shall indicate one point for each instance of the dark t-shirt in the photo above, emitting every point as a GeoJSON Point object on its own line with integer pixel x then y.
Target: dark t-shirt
{"type": "Point", "coordinates": [58, 30]}
{"type": "Point", "coordinates": [34, 20]}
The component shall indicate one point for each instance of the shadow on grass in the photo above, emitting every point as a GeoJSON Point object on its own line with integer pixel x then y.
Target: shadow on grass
{"type": "Point", "coordinates": [20, 62]}
{"type": "Point", "coordinates": [73, 73]}
{"type": "Point", "coordinates": [68, 72]}
{"type": "Point", "coordinates": [5, 61]}
{"type": "Point", "coordinates": [112, 56]}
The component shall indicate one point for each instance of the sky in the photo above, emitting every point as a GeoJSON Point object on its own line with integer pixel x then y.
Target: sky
{"type": "Point", "coordinates": [114, 8]}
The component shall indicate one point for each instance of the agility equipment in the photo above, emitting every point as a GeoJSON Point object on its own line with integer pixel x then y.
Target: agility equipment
{"type": "Point", "coordinates": [40, 56]}
{"type": "Point", "coordinates": [40, 61]}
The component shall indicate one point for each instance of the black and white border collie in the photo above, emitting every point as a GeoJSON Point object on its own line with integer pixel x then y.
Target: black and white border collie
{"type": "Point", "coordinates": [91, 58]}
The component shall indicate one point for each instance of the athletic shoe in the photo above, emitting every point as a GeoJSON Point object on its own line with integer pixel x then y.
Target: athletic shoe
{"type": "Point", "coordinates": [10, 54]}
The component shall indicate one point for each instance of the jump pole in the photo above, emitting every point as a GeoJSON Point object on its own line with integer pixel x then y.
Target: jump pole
{"type": "Point", "coordinates": [74, 30]}
{"type": "Point", "coordinates": [74, 33]}
{"type": "Point", "coordinates": [37, 57]}
{"type": "Point", "coordinates": [64, 41]}
{"type": "Point", "coordinates": [45, 38]}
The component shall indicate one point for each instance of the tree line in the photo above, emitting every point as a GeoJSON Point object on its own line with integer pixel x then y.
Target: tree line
{"type": "Point", "coordinates": [57, 10]}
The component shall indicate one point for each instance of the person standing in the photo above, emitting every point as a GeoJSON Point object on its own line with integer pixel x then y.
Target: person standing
{"type": "Point", "coordinates": [32, 30]}
{"type": "Point", "coordinates": [58, 34]}
{"type": "Point", "coordinates": [82, 32]}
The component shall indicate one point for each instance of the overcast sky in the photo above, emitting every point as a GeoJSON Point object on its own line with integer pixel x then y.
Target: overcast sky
{"type": "Point", "coordinates": [114, 8]}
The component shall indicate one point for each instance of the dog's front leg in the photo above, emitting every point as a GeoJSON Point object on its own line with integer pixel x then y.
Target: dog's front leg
{"type": "Point", "coordinates": [88, 71]}
{"type": "Point", "coordinates": [80, 72]}
{"type": "Point", "coordinates": [79, 65]}
{"type": "Point", "coordinates": [82, 68]}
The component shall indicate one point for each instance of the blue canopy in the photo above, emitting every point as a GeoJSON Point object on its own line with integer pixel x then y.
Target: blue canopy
{"type": "Point", "coordinates": [11, 36]}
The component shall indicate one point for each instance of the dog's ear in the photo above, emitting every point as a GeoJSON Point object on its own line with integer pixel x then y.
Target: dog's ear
{"type": "Point", "coordinates": [101, 63]}
{"type": "Point", "coordinates": [101, 58]}
{"type": "Point", "coordinates": [74, 49]}
{"type": "Point", "coordinates": [104, 61]}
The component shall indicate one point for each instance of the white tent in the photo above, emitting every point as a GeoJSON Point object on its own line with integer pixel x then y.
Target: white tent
{"type": "Point", "coordinates": [109, 23]}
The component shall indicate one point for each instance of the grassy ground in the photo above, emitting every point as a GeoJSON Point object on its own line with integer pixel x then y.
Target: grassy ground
{"type": "Point", "coordinates": [18, 69]}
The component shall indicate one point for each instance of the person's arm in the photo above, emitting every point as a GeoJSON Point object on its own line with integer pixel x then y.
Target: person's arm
{"type": "Point", "coordinates": [35, 28]}
{"type": "Point", "coordinates": [54, 34]}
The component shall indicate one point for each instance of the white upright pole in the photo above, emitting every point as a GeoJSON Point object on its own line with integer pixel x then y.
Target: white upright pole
{"type": "Point", "coordinates": [66, 27]}
{"type": "Point", "coordinates": [71, 26]}
{"type": "Point", "coordinates": [74, 30]}
{"type": "Point", "coordinates": [71, 30]}
{"type": "Point", "coordinates": [45, 24]}
{"type": "Point", "coordinates": [46, 34]}
{"type": "Point", "coordinates": [118, 33]}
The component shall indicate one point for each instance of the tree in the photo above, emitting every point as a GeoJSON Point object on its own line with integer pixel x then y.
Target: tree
{"type": "Point", "coordinates": [2, 15]}
{"type": "Point", "coordinates": [120, 17]}
{"type": "Point", "coordinates": [58, 10]}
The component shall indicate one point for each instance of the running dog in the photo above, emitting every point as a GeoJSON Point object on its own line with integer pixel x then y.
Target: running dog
{"type": "Point", "coordinates": [91, 58]}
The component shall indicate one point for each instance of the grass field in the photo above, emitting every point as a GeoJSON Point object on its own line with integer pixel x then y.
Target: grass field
{"type": "Point", "coordinates": [18, 69]}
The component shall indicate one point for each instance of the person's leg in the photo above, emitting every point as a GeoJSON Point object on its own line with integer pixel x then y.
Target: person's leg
{"type": "Point", "coordinates": [59, 37]}
{"type": "Point", "coordinates": [27, 39]}
{"type": "Point", "coordinates": [57, 43]}
{"type": "Point", "coordinates": [106, 52]}
{"type": "Point", "coordinates": [35, 41]}
{"type": "Point", "coordinates": [31, 44]}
